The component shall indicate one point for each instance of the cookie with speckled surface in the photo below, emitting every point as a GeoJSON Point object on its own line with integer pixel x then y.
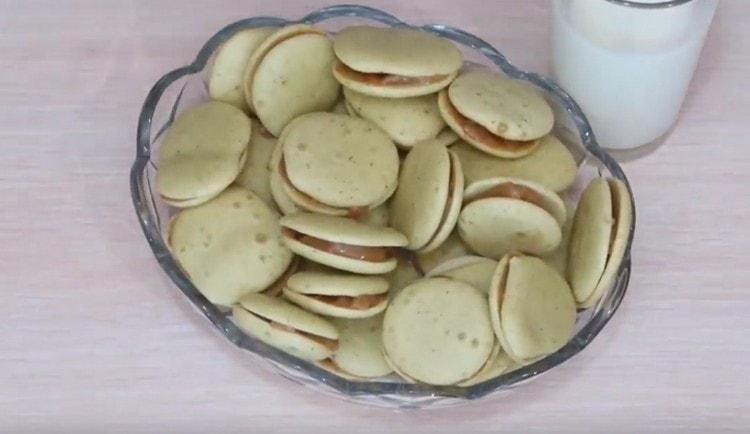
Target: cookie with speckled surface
{"type": "Point", "coordinates": [497, 115]}
{"type": "Point", "coordinates": [598, 239]}
{"type": "Point", "coordinates": [428, 198]}
{"type": "Point", "coordinates": [290, 75]}
{"type": "Point", "coordinates": [503, 215]}
{"type": "Point", "coordinates": [202, 153]}
{"type": "Point", "coordinates": [336, 164]}
{"type": "Point", "coordinates": [551, 164]}
{"type": "Point", "coordinates": [229, 246]}
{"type": "Point", "coordinates": [407, 121]}
{"type": "Point", "coordinates": [360, 351]}
{"type": "Point", "coordinates": [227, 74]}
{"type": "Point", "coordinates": [438, 331]}
{"type": "Point", "coordinates": [285, 326]}
{"type": "Point", "coordinates": [394, 62]}
{"type": "Point", "coordinates": [532, 308]}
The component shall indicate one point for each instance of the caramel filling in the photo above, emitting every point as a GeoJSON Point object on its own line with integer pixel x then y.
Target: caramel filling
{"type": "Point", "coordinates": [331, 344]}
{"type": "Point", "coordinates": [362, 253]}
{"type": "Point", "coordinates": [510, 190]}
{"type": "Point", "coordinates": [355, 212]}
{"type": "Point", "coordinates": [478, 133]}
{"type": "Point", "coordinates": [381, 79]}
{"type": "Point", "coordinates": [361, 302]}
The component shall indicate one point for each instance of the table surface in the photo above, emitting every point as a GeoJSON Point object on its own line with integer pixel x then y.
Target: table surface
{"type": "Point", "coordinates": [94, 335]}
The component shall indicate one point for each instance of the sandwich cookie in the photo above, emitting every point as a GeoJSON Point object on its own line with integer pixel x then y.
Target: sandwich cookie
{"type": "Point", "coordinates": [289, 74]}
{"type": "Point", "coordinates": [394, 62]}
{"type": "Point", "coordinates": [452, 247]}
{"type": "Point", "coordinates": [428, 198]}
{"type": "Point", "coordinates": [601, 228]}
{"type": "Point", "coordinates": [407, 121]}
{"type": "Point", "coordinates": [360, 351]}
{"type": "Point", "coordinates": [336, 164]}
{"type": "Point", "coordinates": [338, 294]}
{"type": "Point", "coordinates": [503, 215]}
{"type": "Point", "coordinates": [256, 174]}
{"type": "Point", "coordinates": [558, 258]}
{"type": "Point", "coordinates": [203, 152]}
{"type": "Point", "coordinates": [495, 114]}
{"type": "Point", "coordinates": [227, 74]}
{"type": "Point", "coordinates": [532, 308]}
{"type": "Point", "coordinates": [476, 271]}
{"type": "Point", "coordinates": [229, 246]}
{"type": "Point", "coordinates": [285, 326]}
{"type": "Point", "coordinates": [438, 331]}
{"type": "Point", "coordinates": [551, 164]}
{"type": "Point", "coordinates": [342, 243]}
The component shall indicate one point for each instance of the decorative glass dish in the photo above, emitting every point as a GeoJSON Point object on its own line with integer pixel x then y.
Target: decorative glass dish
{"type": "Point", "coordinates": [186, 86]}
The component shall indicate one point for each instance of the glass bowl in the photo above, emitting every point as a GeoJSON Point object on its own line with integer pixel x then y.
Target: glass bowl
{"type": "Point", "coordinates": [186, 86]}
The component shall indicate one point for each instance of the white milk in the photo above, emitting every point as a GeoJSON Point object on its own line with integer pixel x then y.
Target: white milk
{"type": "Point", "coordinates": [628, 68]}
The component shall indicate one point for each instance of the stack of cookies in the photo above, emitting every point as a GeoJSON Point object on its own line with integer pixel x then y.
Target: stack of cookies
{"type": "Point", "coordinates": [367, 203]}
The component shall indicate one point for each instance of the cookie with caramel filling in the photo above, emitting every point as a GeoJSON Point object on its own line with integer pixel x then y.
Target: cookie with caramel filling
{"type": "Point", "coordinates": [285, 326]}
{"type": "Point", "coordinates": [342, 243]}
{"type": "Point", "coordinates": [503, 215]}
{"type": "Point", "coordinates": [338, 294]}
{"type": "Point", "coordinates": [601, 228]}
{"type": "Point", "coordinates": [336, 164]}
{"type": "Point", "coordinates": [497, 115]}
{"type": "Point", "coordinates": [394, 62]}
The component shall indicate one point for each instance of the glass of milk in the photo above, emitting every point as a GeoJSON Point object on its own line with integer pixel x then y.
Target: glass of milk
{"type": "Point", "coordinates": [628, 64]}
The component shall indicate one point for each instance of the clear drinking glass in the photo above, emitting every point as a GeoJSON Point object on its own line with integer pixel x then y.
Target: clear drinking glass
{"type": "Point", "coordinates": [628, 64]}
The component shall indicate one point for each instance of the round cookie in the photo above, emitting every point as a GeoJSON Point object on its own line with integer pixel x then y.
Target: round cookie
{"type": "Point", "coordinates": [342, 243]}
{"type": "Point", "coordinates": [598, 239]}
{"type": "Point", "coordinates": [551, 164]}
{"type": "Point", "coordinates": [532, 308]}
{"type": "Point", "coordinates": [340, 295]}
{"type": "Point", "coordinates": [202, 153]}
{"type": "Point", "coordinates": [290, 76]}
{"type": "Point", "coordinates": [497, 115]}
{"type": "Point", "coordinates": [285, 326]}
{"type": "Point", "coordinates": [428, 198]}
{"type": "Point", "coordinates": [336, 164]}
{"type": "Point", "coordinates": [227, 73]}
{"type": "Point", "coordinates": [360, 351]}
{"type": "Point", "coordinates": [256, 174]}
{"type": "Point", "coordinates": [407, 121]}
{"type": "Point", "coordinates": [394, 62]}
{"type": "Point", "coordinates": [503, 215]}
{"type": "Point", "coordinates": [229, 246]}
{"type": "Point", "coordinates": [438, 331]}
{"type": "Point", "coordinates": [476, 271]}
